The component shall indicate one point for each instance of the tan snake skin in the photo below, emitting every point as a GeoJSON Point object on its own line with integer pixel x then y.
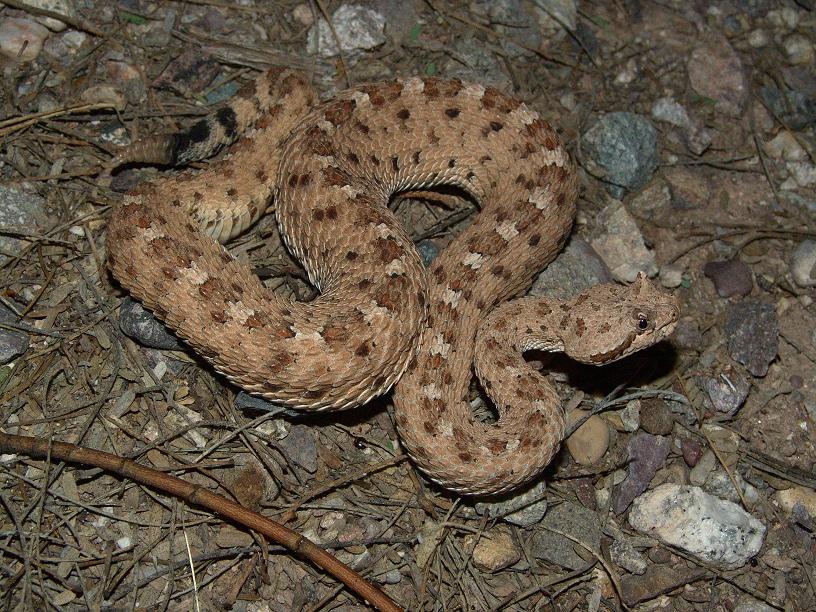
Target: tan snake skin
{"type": "Point", "coordinates": [380, 318]}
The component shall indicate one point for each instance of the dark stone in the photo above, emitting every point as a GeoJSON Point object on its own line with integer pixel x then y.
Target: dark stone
{"type": "Point", "coordinates": [655, 417]}
{"type": "Point", "coordinates": [141, 325]}
{"type": "Point", "coordinates": [752, 329]}
{"type": "Point", "coordinates": [647, 454]}
{"type": "Point", "coordinates": [731, 278]}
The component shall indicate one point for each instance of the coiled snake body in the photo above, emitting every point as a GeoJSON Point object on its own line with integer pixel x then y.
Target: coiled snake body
{"type": "Point", "coordinates": [380, 318]}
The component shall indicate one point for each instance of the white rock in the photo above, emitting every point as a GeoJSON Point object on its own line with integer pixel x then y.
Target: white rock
{"type": "Point", "coordinates": [717, 531]}
{"type": "Point", "coordinates": [802, 173]}
{"type": "Point", "coordinates": [668, 110]}
{"type": "Point", "coordinates": [671, 276]}
{"type": "Point", "coordinates": [803, 264]}
{"type": "Point", "coordinates": [758, 38]}
{"type": "Point", "coordinates": [357, 27]}
{"type": "Point", "coordinates": [620, 244]}
{"type": "Point", "coordinates": [799, 49]}
{"type": "Point", "coordinates": [21, 39]}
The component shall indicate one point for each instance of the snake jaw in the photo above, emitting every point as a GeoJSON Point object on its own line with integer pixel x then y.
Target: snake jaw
{"type": "Point", "coordinates": [616, 353]}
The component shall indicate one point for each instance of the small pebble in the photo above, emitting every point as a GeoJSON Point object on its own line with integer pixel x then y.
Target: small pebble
{"type": "Point", "coordinates": [731, 278]}
{"type": "Point", "coordinates": [495, 550]}
{"type": "Point", "coordinates": [140, 324]}
{"type": "Point", "coordinates": [572, 519]}
{"type": "Point", "coordinates": [671, 276]}
{"type": "Point", "coordinates": [692, 451]}
{"type": "Point", "coordinates": [630, 416]}
{"type": "Point", "coordinates": [619, 241]}
{"type": "Point", "coordinates": [727, 391]}
{"type": "Point", "coordinates": [655, 417]}
{"type": "Point", "coordinates": [799, 49]}
{"type": "Point", "coordinates": [523, 508]}
{"type": "Point", "coordinates": [624, 555]}
{"type": "Point", "coordinates": [701, 470]}
{"type": "Point", "coordinates": [802, 497]}
{"type": "Point", "coordinates": [785, 146]}
{"type": "Point", "coordinates": [803, 264]}
{"type": "Point", "coordinates": [590, 441]}
{"type": "Point", "coordinates": [687, 334]}
{"type": "Point", "coordinates": [758, 39]}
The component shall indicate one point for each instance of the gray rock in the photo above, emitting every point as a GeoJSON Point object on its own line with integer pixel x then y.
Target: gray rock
{"type": "Point", "coordinates": [19, 210]}
{"type": "Point", "coordinates": [571, 519]}
{"type": "Point", "coordinates": [471, 60]}
{"type": "Point", "coordinates": [719, 484]}
{"type": "Point", "coordinates": [140, 324]}
{"type": "Point", "coordinates": [12, 343]}
{"type": "Point", "coordinates": [752, 329]}
{"type": "Point", "coordinates": [524, 509]}
{"type": "Point", "coordinates": [731, 278]}
{"type": "Point", "coordinates": [300, 447]}
{"type": "Point", "coordinates": [647, 454]}
{"type": "Point", "coordinates": [357, 27]}
{"type": "Point", "coordinates": [803, 264]}
{"type": "Point", "coordinates": [671, 276]}
{"type": "Point", "coordinates": [624, 555]}
{"type": "Point", "coordinates": [576, 269]}
{"type": "Point", "coordinates": [621, 149]}
{"type": "Point", "coordinates": [687, 334]}
{"type": "Point", "coordinates": [715, 530]}
{"type": "Point", "coordinates": [521, 16]}
{"type": "Point", "coordinates": [62, 7]}
{"type": "Point", "coordinates": [795, 108]}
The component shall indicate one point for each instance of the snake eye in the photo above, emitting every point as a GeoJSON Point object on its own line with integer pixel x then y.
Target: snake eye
{"type": "Point", "coordinates": [643, 322]}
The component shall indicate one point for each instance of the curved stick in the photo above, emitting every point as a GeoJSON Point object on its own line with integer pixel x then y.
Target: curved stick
{"type": "Point", "coordinates": [194, 494]}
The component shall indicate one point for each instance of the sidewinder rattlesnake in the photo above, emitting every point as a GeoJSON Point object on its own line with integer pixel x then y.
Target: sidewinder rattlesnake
{"type": "Point", "coordinates": [380, 318]}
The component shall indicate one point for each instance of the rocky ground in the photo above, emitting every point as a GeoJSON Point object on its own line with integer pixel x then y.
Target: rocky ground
{"type": "Point", "coordinates": [690, 484]}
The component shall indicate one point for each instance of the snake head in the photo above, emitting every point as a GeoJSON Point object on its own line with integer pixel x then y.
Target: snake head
{"type": "Point", "coordinates": [609, 322]}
